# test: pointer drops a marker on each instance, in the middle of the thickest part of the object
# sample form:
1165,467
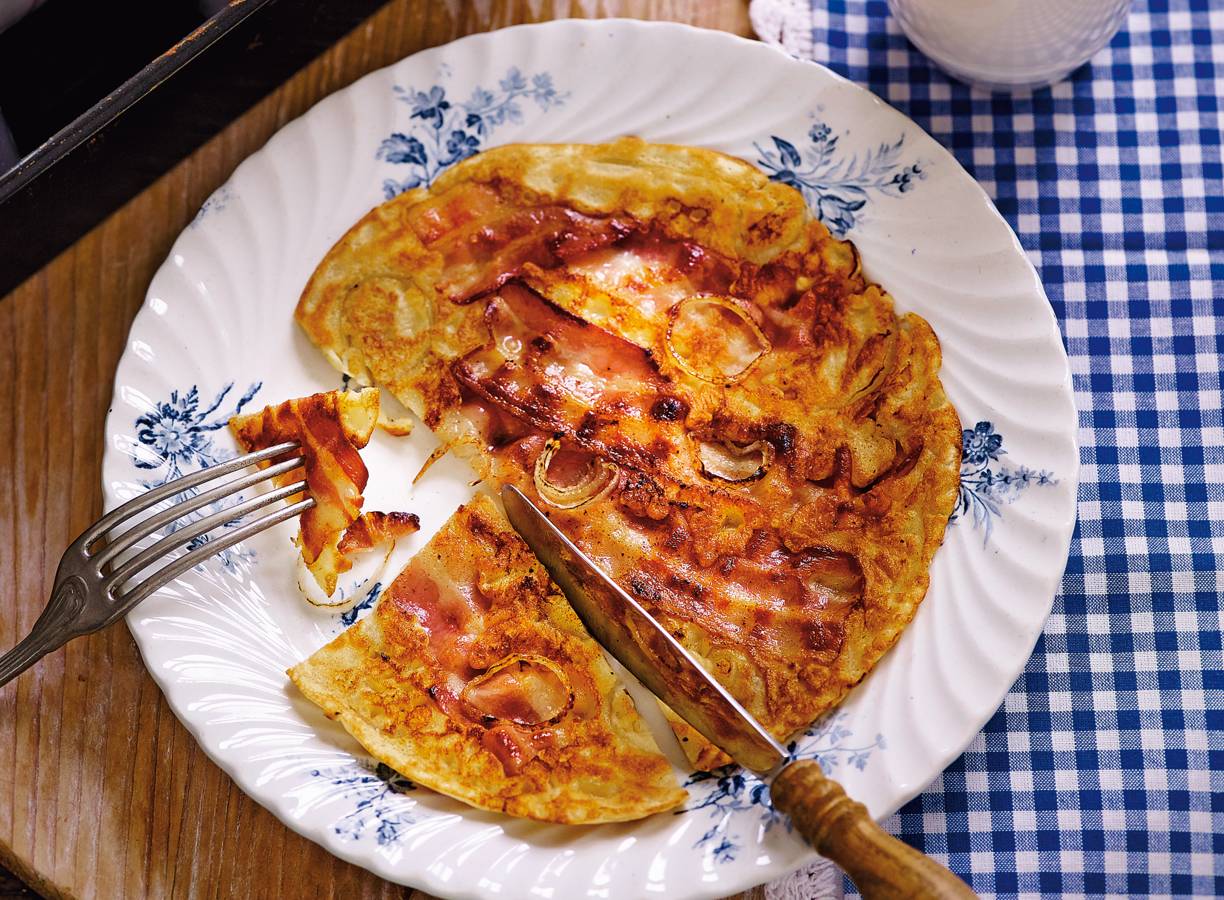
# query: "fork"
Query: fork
94,586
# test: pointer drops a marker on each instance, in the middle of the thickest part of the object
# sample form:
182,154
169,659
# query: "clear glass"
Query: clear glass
1009,44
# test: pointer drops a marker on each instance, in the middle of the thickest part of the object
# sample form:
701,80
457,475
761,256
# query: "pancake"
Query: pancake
473,676
669,352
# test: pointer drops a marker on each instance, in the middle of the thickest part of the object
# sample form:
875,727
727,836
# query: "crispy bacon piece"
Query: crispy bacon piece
561,374
485,241
331,428
374,528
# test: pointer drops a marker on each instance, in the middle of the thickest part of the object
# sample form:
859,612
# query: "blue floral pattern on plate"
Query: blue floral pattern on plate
731,790
838,185
984,487
443,132
376,791
214,204
178,432
353,613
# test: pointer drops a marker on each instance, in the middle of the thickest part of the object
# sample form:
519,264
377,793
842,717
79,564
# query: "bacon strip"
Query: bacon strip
374,528
486,241
331,428
563,375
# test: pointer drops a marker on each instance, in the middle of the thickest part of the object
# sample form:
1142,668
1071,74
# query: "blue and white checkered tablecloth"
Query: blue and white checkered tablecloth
1103,772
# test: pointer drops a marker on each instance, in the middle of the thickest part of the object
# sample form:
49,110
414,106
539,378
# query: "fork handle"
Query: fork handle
52,630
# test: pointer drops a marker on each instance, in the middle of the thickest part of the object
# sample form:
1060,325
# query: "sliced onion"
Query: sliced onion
309,587
596,482
730,461
833,570
524,690
713,339
438,453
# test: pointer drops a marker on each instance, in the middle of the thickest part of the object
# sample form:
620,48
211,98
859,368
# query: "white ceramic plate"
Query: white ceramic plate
216,335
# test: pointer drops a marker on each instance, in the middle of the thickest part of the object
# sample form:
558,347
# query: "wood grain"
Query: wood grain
102,792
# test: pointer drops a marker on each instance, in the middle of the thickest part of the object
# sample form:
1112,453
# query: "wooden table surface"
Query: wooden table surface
102,792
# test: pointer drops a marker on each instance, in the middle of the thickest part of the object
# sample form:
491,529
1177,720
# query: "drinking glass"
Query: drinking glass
1008,44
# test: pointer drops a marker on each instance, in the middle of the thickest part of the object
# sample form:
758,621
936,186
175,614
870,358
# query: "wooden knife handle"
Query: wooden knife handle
839,828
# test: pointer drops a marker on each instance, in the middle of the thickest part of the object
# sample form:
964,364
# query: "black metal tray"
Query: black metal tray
155,118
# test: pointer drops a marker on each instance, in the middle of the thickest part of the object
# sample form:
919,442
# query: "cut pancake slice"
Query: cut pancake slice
474,677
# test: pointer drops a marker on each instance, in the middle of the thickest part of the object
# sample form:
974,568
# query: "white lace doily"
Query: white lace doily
784,23
819,881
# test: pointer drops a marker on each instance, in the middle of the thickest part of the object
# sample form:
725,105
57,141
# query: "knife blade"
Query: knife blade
836,826
623,626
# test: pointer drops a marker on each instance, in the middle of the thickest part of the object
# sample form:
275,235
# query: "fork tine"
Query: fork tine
190,532
147,526
177,486
163,576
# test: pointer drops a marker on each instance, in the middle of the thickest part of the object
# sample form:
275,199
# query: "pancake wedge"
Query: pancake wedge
473,676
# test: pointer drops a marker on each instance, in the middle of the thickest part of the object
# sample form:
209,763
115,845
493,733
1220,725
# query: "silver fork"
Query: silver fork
94,587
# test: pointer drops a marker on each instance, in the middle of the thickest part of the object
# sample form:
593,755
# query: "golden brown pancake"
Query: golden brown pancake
665,349
473,676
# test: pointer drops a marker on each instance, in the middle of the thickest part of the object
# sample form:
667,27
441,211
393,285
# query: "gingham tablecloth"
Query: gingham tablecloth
1103,771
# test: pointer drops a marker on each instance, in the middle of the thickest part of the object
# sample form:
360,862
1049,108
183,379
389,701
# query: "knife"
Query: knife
836,826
